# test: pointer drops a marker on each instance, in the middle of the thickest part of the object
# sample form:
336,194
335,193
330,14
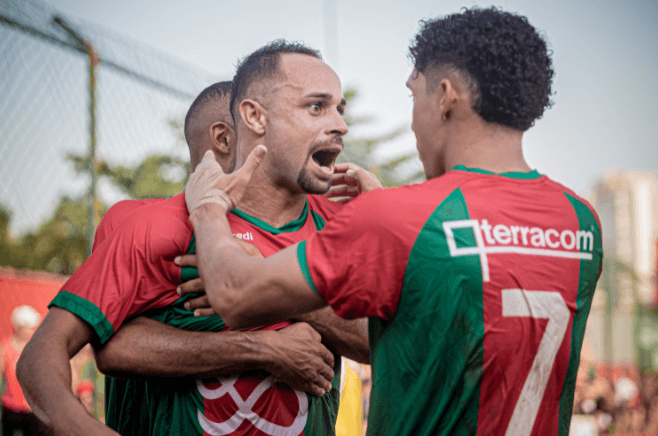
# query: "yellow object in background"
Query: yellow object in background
350,410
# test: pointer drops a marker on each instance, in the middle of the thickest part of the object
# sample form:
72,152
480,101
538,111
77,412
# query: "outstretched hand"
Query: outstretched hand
209,184
350,180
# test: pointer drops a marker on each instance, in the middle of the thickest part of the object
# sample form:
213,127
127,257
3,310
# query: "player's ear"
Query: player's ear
447,97
222,137
253,115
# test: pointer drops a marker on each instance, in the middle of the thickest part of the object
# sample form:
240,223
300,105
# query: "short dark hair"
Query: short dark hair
211,95
262,64
502,55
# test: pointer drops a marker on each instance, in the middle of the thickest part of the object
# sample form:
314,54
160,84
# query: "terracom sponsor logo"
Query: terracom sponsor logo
499,238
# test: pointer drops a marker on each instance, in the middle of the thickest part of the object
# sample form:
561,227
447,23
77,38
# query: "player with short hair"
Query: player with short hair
478,282
134,268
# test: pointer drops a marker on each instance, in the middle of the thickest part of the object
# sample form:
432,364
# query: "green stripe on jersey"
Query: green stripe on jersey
435,343
589,274
512,174
86,310
292,226
318,221
303,264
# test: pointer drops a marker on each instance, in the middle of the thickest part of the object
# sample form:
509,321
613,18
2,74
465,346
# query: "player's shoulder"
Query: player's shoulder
163,214
571,194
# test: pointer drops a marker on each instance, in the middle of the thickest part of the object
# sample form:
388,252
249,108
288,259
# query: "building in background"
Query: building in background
622,328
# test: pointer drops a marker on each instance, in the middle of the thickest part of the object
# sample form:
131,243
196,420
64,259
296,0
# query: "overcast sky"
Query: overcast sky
605,57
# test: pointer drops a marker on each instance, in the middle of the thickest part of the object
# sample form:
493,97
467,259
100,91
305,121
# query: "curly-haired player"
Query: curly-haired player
504,60
477,282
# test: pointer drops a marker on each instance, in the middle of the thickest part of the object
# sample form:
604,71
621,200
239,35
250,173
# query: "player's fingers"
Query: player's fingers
367,180
235,184
342,191
327,374
343,167
197,303
193,286
203,312
186,260
343,179
328,358
314,390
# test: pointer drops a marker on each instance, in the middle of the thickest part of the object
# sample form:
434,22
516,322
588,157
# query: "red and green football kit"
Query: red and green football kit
132,272
478,287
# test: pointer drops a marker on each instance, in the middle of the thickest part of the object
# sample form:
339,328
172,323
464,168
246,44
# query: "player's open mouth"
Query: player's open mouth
325,159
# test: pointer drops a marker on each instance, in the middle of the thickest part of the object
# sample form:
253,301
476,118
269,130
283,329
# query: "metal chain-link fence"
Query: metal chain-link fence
45,109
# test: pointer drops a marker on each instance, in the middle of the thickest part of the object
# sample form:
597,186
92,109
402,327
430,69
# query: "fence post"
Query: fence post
94,60
93,201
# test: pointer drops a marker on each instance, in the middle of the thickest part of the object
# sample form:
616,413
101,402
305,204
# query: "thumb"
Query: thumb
240,178
253,160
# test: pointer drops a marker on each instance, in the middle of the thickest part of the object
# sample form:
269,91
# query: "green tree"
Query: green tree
59,245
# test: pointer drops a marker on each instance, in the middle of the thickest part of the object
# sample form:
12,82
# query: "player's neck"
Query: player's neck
272,204
488,147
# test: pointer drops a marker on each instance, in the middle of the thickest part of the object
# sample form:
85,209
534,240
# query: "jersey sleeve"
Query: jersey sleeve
357,262
130,271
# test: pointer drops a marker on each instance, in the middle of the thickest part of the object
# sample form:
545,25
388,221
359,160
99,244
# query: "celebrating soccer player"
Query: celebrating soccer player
477,282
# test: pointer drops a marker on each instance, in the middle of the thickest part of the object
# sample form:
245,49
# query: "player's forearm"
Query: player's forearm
348,338
146,348
44,373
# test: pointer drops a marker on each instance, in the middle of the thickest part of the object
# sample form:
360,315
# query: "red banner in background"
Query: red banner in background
19,287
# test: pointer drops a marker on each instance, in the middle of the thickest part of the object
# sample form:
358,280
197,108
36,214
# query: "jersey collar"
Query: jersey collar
513,175
292,226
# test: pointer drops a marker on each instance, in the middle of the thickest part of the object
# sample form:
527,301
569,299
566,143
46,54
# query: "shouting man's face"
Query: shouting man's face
305,124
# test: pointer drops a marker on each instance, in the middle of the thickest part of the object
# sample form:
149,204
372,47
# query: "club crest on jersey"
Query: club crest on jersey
500,238
246,236
235,405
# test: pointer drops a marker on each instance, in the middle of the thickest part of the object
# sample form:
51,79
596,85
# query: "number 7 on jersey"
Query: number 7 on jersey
536,304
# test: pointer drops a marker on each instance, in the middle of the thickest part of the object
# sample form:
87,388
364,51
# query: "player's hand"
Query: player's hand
209,184
301,361
350,180
201,305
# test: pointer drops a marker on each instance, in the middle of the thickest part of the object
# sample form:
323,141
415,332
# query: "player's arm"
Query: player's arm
146,348
44,373
348,338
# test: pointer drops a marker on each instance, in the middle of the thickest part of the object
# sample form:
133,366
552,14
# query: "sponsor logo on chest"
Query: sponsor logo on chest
501,238
246,236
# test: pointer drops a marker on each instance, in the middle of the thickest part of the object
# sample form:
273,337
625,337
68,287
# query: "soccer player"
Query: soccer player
477,282
145,347
132,270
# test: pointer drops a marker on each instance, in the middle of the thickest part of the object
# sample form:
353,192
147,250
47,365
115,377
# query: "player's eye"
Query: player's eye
316,107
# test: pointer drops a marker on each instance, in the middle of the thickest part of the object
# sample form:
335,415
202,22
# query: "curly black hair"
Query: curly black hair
262,64
501,52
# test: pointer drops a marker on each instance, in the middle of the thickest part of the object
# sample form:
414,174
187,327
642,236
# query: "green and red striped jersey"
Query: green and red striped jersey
478,287
131,272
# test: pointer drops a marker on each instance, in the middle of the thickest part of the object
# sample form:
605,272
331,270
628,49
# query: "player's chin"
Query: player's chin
315,185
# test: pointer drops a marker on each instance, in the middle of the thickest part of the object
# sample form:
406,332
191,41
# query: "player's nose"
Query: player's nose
337,125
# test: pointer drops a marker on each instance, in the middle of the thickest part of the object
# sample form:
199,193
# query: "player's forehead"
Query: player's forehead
305,75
